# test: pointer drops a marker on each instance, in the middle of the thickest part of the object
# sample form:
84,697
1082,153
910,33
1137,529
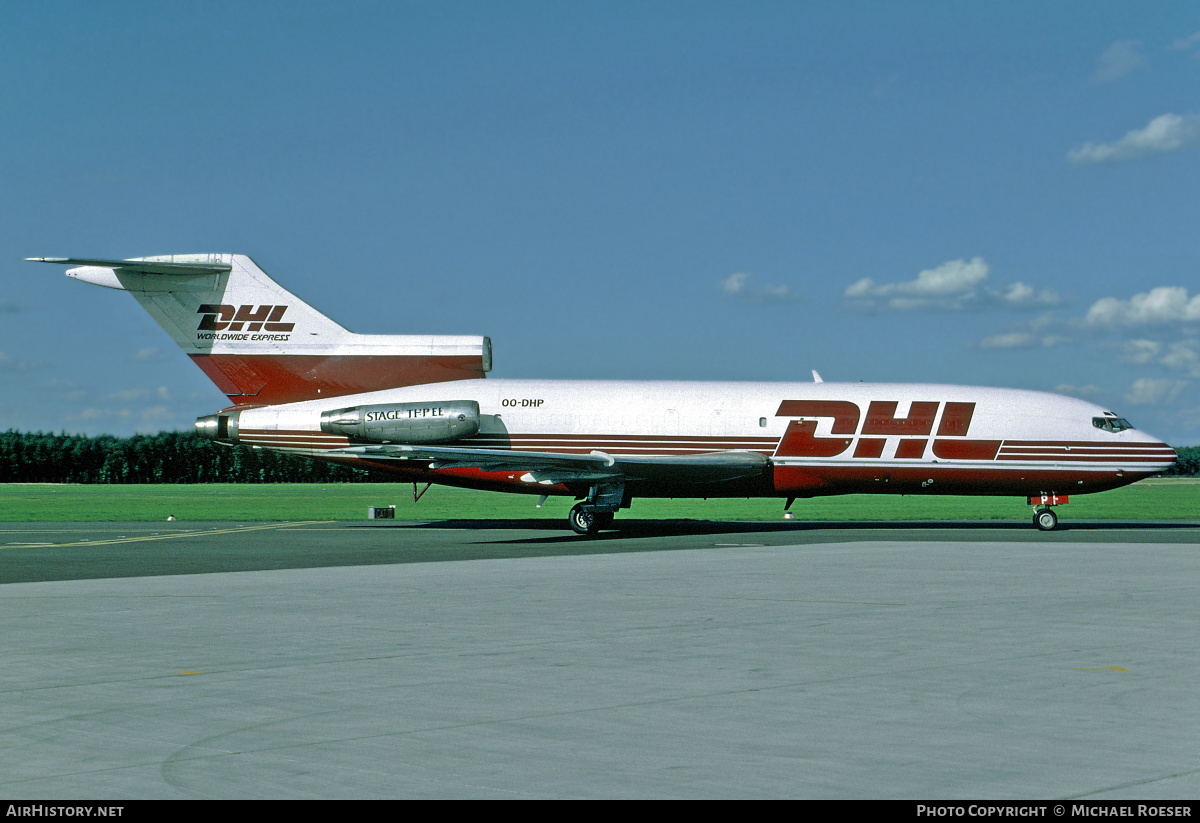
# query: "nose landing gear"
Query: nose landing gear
1046,520
1044,517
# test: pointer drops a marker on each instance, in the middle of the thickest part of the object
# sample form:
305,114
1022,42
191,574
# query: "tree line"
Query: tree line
185,457
166,457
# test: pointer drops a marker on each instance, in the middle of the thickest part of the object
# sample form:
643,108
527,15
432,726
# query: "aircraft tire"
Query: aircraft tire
583,520
1046,520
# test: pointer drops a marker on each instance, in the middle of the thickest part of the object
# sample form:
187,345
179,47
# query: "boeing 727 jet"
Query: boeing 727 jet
420,409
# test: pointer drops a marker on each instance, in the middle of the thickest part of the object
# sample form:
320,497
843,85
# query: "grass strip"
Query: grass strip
1161,499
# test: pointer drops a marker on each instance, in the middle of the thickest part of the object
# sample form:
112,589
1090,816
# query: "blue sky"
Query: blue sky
988,194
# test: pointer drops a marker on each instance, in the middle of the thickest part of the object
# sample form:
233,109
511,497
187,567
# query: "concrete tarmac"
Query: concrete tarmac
331,660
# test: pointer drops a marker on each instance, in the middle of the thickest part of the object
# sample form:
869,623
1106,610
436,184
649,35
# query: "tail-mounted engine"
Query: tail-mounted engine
405,422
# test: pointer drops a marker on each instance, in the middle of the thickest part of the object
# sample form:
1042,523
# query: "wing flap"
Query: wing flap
711,467
555,467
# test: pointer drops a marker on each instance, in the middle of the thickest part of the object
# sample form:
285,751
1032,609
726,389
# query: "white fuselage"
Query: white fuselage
822,438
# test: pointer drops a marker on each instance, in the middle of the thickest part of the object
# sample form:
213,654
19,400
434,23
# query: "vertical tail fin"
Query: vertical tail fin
260,344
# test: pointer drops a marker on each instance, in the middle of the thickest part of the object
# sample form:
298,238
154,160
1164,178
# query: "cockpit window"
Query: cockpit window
1111,424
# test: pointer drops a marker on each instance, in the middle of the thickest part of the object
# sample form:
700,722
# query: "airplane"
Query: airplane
418,407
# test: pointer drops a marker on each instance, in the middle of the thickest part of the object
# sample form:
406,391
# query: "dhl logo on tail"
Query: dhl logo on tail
234,318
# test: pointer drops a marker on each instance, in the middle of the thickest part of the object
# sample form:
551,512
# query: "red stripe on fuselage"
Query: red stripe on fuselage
1078,466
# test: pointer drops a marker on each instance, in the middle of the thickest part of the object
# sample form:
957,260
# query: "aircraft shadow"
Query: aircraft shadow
645,529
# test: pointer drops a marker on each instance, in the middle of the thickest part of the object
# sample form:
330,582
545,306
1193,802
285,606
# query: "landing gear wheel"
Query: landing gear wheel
1046,520
583,520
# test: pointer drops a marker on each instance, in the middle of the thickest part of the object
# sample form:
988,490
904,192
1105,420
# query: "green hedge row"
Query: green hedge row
167,457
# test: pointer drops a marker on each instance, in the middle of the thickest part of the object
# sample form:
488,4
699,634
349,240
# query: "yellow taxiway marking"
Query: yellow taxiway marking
190,533
1105,669
185,671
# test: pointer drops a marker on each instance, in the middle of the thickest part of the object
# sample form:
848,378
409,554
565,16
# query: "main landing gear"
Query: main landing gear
586,520
599,509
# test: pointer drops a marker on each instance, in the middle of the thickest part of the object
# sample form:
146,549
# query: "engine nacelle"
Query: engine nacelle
222,428
436,422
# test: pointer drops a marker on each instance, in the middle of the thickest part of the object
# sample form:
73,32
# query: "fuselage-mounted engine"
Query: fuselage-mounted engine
436,422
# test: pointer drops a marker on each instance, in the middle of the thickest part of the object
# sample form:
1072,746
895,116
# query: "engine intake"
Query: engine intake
436,422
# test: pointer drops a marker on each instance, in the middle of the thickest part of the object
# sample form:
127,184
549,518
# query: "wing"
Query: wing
551,468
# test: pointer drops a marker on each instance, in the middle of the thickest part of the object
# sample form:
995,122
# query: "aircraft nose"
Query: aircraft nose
1174,456
1161,455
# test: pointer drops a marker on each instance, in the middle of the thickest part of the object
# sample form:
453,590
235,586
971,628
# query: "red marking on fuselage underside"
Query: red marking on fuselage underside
869,447
911,449
802,482
942,480
264,379
882,477
792,481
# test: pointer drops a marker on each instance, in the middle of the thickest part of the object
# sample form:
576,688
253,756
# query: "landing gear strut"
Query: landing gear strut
599,509
1044,517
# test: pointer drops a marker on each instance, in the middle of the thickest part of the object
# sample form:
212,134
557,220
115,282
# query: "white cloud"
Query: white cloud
1119,59
1165,133
151,353
1090,390
1164,304
734,283
1019,294
1186,43
1021,340
739,284
130,394
162,392
1012,340
1140,352
779,292
954,285
947,286
155,413
1149,391
1182,356
1190,417
10,363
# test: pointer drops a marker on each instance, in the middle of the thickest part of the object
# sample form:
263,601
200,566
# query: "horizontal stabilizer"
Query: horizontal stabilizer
147,266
